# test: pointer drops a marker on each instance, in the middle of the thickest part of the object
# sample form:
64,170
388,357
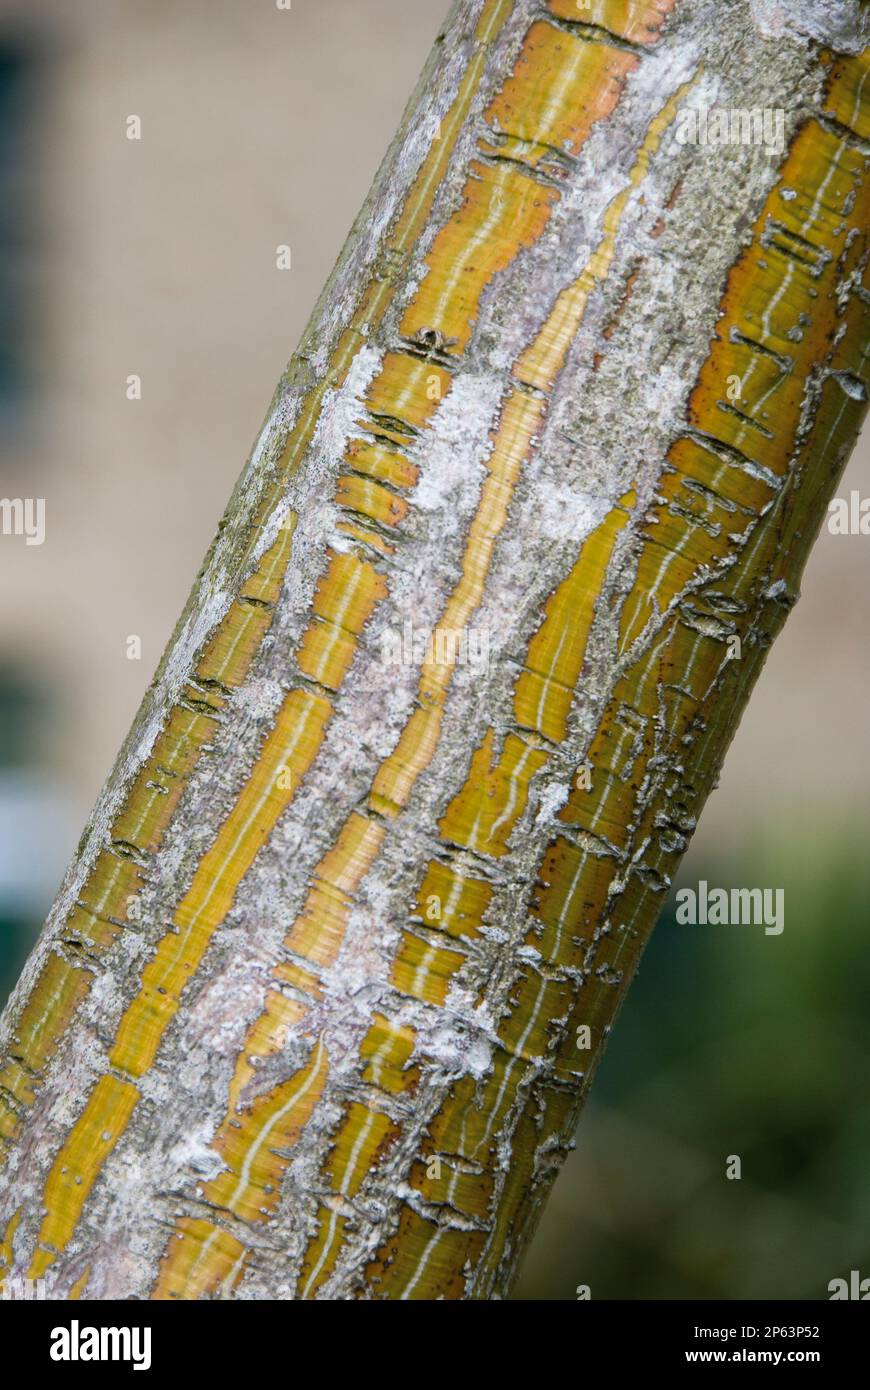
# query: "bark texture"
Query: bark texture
325,986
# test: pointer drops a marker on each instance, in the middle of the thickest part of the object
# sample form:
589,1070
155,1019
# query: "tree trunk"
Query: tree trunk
326,983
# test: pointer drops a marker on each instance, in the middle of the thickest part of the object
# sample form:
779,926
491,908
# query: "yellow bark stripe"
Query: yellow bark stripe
203,1257
443,1184
502,211
77,1289
544,692
448,902
345,600
419,202
462,1137
6,1252
368,499
358,1147
288,750
361,1138
551,1113
409,223
207,1261
520,420
318,931
405,393
475,1121
847,92
560,87
79,1163
240,1135
750,391
365,536
251,1183
324,1249
375,461
227,657
484,813
387,1048
425,969
452,900
241,1131
570,893
418,1245
705,507
55,997
541,362
401,401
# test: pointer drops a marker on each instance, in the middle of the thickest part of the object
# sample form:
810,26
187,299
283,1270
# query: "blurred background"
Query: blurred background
156,258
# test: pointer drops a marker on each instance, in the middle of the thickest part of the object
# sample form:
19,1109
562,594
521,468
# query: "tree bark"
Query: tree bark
326,983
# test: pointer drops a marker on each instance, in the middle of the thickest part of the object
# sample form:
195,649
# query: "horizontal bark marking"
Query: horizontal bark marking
637,21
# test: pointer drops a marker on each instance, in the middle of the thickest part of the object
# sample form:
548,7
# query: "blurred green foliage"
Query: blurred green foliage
17,936
730,1042
25,711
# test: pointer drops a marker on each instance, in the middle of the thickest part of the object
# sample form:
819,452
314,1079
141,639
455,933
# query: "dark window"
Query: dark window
16,73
